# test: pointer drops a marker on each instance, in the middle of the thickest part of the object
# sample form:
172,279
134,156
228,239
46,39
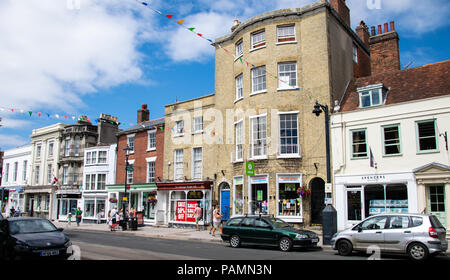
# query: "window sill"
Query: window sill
291,88
237,100
356,158
427,152
259,158
198,132
151,150
237,58
286,43
294,156
258,48
258,92
238,161
393,155
178,135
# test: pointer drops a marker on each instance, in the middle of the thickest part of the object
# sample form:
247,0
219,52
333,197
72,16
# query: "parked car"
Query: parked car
23,238
417,235
269,231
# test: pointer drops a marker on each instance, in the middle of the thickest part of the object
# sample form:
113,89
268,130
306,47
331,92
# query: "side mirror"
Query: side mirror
359,228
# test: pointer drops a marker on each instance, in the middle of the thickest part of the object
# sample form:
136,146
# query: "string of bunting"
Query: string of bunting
180,22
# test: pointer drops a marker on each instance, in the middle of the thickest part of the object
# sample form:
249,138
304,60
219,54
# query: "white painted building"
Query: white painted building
99,170
16,176
389,149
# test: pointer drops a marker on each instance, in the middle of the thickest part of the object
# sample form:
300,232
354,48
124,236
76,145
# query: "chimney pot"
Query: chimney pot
392,26
373,31
386,28
380,31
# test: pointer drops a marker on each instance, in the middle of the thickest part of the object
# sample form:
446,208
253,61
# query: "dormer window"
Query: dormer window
373,95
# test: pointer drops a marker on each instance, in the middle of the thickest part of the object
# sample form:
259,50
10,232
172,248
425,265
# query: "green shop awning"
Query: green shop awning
133,187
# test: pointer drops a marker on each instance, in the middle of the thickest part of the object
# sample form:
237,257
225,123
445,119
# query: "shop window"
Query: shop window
289,200
100,208
354,206
396,198
64,204
259,199
89,206
374,199
150,200
239,200
195,195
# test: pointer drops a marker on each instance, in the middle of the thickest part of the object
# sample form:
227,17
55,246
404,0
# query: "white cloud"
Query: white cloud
51,55
14,123
8,141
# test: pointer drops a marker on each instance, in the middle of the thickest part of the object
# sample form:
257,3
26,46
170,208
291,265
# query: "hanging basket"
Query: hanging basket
304,191
113,200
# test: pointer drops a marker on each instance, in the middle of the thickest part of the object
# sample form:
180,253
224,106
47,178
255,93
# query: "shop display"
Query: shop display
388,206
290,200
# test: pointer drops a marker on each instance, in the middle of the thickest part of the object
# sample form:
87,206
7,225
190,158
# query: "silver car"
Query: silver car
416,235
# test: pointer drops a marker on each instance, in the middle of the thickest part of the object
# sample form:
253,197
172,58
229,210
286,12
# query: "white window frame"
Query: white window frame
37,170
129,137
49,173
6,172
98,181
436,137
371,91
151,140
38,150
149,161
197,127
285,84
239,80
24,172
288,37
15,170
65,175
77,143
239,146
264,140
179,128
67,147
105,158
352,155
51,146
258,39
177,175
256,76
288,155
195,162
239,49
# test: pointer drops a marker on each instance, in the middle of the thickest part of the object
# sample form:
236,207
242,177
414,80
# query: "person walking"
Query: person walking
198,215
78,216
69,218
217,218
113,217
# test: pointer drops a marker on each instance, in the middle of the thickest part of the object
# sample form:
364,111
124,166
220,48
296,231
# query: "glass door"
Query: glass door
436,203
354,204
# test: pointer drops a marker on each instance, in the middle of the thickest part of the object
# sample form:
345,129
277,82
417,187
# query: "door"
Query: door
225,204
247,230
317,200
259,199
264,233
436,203
372,233
397,234
354,205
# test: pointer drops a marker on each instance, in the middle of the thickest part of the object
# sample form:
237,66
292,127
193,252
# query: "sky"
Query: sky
86,57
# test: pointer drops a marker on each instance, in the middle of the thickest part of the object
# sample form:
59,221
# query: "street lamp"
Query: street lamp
318,109
127,149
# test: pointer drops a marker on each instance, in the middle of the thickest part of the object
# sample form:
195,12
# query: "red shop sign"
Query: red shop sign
185,211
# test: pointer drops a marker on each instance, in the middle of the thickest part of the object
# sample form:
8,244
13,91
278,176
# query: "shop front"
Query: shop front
15,199
289,199
68,200
361,196
258,193
140,197
180,200
39,202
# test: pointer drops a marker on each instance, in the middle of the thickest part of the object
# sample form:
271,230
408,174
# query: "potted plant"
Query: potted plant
304,191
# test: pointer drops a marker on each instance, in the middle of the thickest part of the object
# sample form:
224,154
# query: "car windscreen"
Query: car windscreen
435,222
278,223
30,226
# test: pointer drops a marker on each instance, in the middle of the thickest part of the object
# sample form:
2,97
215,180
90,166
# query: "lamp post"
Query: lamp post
318,109
127,149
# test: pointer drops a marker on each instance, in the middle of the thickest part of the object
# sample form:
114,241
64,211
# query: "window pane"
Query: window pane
374,223
391,140
374,200
259,78
288,134
359,143
354,205
397,198
427,136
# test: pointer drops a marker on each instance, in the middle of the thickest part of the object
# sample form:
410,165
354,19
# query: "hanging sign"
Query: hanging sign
250,168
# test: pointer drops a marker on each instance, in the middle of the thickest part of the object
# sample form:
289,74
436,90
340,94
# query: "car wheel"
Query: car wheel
235,241
417,252
285,244
344,247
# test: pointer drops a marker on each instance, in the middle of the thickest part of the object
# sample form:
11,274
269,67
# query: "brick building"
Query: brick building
146,141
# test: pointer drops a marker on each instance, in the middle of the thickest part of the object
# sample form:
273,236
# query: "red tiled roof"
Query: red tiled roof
412,84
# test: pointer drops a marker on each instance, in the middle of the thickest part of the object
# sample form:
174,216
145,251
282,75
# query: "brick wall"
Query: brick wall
384,50
139,156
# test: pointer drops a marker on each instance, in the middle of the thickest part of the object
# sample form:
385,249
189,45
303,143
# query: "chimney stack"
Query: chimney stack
235,25
384,49
143,114
107,128
363,33
342,10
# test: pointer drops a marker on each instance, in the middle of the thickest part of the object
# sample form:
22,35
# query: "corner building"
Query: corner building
295,57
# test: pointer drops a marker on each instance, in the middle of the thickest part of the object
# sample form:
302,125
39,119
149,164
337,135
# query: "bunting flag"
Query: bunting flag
169,16
29,112
180,21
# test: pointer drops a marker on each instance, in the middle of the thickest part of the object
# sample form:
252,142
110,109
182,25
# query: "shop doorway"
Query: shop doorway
436,203
225,201
317,186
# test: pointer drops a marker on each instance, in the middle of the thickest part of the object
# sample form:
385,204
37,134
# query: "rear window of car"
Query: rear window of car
435,222
234,222
416,221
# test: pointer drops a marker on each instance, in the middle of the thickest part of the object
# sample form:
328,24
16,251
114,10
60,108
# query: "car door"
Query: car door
246,230
264,233
397,233
371,233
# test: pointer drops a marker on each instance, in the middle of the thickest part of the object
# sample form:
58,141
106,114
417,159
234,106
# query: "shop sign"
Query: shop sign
289,179
373,178
250,168
185,211
259,180
238,181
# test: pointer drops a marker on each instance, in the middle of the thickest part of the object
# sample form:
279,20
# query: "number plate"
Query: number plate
49,253
315,240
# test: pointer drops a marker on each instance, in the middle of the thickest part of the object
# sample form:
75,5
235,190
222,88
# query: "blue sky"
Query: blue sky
111,56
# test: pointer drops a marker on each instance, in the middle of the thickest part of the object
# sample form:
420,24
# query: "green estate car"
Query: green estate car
257,230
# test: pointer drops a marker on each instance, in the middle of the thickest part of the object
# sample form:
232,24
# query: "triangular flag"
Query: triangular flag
191,28
57,116
210,40
39,114
48,115
73,118
65,117
143,3
240,58
180,21
199,34
29,112
169,16
12,110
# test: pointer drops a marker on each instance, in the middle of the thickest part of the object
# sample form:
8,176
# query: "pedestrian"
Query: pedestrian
12,212
217,218
78,216
69,218
197,215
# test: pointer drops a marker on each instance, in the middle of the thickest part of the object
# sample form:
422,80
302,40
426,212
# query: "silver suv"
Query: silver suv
416,235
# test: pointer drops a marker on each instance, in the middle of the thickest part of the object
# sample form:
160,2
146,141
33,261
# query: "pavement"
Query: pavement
158,232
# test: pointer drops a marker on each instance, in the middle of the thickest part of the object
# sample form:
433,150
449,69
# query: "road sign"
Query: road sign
250,168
